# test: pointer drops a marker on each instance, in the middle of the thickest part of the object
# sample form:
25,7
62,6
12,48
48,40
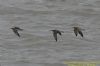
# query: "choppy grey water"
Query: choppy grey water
37,47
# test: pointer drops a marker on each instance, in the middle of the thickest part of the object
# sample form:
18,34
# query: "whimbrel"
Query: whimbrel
16,29
78,30
55,32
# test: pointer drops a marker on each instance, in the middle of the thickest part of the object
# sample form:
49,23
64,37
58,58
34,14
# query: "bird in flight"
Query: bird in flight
16,29
55,32
77,31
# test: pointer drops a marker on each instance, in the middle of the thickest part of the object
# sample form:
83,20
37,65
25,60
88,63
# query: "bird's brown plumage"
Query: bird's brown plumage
55,32
77,31
15,30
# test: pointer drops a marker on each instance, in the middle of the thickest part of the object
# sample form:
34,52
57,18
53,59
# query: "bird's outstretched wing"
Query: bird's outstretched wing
55,36
59,32
80,32
16,32
17,28
76,32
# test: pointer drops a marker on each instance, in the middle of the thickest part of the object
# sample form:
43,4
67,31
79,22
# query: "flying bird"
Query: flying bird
55,32
77,31
16,29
